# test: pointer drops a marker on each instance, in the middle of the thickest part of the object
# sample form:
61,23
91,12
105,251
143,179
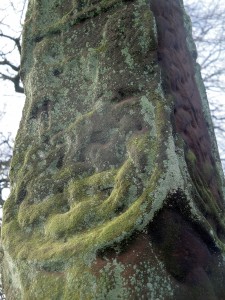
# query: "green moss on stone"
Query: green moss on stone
38,212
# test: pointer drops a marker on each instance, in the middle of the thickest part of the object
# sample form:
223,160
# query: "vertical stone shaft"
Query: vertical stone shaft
117,189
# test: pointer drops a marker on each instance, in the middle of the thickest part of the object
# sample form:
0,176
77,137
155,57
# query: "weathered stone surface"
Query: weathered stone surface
116,183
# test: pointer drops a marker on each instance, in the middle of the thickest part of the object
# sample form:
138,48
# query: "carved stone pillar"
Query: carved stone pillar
117,188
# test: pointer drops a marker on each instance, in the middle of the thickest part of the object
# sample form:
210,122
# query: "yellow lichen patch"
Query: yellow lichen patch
123,193
17,238
38,212
91,187
79,218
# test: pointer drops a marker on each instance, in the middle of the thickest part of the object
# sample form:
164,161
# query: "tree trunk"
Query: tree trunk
117,188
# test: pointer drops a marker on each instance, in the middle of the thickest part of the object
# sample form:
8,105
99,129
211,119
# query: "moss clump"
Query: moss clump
92,188
31,213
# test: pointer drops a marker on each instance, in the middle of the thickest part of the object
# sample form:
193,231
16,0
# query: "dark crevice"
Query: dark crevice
21,195
57,72
182,243
60,161
39,109
38,39
124,93
139,126
106,190
120,209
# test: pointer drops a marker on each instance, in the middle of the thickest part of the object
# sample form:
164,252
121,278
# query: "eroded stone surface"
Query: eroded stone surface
103,163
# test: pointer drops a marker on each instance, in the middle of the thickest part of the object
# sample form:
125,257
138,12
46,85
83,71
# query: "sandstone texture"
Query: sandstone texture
117,188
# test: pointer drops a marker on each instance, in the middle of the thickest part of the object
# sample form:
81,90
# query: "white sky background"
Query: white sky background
12,105
11,102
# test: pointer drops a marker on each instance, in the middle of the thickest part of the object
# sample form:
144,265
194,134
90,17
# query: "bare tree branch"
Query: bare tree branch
5,62
15,80
15,40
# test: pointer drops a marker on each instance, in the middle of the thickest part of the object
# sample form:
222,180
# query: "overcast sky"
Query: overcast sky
10,102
